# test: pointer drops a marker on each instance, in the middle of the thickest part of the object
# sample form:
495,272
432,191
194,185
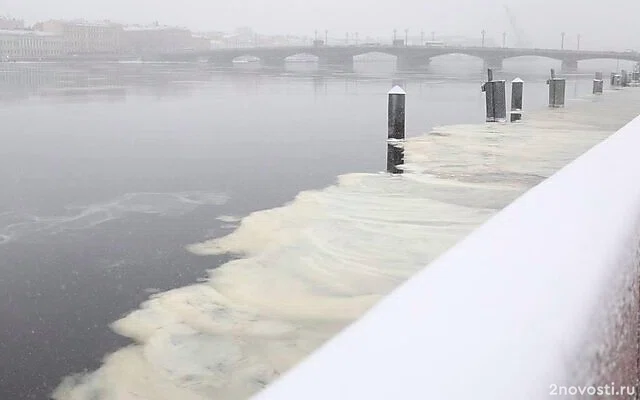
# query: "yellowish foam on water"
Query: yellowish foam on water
314,265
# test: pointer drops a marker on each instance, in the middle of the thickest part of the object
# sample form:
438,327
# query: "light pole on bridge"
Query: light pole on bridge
578,41
504,39
562,42
406,37
483,35
395,35
421,38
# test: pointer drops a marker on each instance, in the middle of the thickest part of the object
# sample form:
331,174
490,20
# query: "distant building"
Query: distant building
82,37
11,24
156,39
29,45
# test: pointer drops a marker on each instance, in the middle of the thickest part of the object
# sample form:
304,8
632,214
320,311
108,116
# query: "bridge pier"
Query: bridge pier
493,63
569,65
272,62
405,63
342,61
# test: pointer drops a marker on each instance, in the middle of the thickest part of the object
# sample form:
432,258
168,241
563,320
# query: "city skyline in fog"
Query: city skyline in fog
540,22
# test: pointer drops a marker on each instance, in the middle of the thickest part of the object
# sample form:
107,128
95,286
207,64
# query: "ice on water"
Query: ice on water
312,266
14,226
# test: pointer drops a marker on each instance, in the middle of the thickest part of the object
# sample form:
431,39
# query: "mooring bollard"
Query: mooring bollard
397,99
624,78
556,90
618,80
598,84
496,99
395,157
517,88
396,119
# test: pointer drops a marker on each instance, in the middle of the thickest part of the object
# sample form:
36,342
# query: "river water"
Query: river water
108,172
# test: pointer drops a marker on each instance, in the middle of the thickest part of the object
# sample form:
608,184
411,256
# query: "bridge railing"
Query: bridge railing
541,299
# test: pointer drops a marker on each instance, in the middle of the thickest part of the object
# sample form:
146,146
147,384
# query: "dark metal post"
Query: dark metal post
598,83
395,157
624,78
556,90
396,115
495,95
616,80
635,75
517,88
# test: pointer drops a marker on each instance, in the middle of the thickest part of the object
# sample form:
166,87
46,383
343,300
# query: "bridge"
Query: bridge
408,57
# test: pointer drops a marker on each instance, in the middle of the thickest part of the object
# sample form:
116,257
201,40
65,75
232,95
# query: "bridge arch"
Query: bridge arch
446,59
244,58
360,54
531,63
528,58
374,55
456,55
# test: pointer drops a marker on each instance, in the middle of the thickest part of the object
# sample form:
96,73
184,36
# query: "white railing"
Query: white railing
540,300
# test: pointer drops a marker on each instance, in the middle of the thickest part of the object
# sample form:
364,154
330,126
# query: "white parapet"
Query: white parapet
540,298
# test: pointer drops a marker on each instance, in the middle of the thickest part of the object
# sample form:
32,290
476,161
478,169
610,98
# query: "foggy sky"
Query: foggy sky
614,25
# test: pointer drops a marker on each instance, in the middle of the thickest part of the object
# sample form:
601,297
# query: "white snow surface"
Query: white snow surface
397,90
506,311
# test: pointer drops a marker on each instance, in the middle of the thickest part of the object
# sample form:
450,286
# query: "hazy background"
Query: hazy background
601,24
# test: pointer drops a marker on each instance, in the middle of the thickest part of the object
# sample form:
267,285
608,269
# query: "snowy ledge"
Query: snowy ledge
545,293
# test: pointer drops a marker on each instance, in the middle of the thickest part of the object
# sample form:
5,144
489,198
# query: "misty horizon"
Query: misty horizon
598,27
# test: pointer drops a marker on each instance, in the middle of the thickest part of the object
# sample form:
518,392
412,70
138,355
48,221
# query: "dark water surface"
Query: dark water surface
108,171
